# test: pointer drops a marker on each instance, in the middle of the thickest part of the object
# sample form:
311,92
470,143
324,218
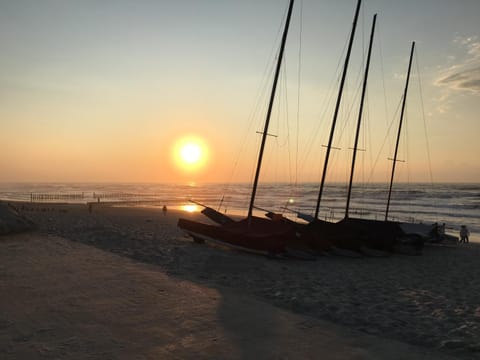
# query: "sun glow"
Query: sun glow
190,153
190,208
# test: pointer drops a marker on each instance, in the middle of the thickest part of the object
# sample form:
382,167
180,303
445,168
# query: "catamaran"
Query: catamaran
253,233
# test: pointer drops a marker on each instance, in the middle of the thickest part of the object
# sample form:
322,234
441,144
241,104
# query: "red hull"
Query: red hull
263,235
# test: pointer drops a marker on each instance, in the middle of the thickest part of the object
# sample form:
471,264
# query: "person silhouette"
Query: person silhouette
464,234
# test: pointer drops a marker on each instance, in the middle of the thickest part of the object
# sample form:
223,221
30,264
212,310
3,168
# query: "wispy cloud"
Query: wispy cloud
464,75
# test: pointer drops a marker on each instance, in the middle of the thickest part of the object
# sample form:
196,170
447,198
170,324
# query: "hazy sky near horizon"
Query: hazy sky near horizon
103,90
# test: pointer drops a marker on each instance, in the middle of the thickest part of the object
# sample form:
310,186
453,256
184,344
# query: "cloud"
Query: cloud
466,79
464,75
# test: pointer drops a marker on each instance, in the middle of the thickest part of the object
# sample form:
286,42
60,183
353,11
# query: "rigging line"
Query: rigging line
367,133
385,138
287,124
299,79
424,118
283,100
366,120
406,141
285,96
288,137
359,76
337,109
278,104
392,177
335,79
361,83
363,36
348,114
314,135
262,89
343,132
252,116
269,111
379,32
294,177
367,138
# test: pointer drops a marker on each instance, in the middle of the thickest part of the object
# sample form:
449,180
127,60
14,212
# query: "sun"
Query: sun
190,153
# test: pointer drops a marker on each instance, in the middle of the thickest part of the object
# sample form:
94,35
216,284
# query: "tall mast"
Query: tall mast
399,129
337,107
364,88
270,105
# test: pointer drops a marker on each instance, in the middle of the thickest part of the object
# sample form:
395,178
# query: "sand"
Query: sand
11,221
65,275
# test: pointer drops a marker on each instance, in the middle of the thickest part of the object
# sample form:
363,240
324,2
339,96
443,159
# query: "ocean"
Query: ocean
452,204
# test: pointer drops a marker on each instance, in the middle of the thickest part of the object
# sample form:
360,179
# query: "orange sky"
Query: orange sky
102,92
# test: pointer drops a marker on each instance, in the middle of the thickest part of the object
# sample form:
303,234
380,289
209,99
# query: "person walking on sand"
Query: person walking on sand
464,234
164,210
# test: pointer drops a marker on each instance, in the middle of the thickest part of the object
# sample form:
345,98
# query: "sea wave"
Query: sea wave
450,203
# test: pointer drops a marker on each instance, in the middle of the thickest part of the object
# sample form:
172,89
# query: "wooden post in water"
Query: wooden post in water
269,111
399,129
337,107
357,133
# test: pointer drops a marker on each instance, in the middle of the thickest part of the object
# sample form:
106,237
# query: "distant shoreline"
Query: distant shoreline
232,183
156,205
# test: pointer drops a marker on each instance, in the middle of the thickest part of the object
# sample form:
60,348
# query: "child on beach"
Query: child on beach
464,234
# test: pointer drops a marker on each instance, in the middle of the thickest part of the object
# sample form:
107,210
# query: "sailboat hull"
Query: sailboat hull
353,234
257,235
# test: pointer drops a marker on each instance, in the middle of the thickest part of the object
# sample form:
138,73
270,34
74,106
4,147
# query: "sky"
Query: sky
104,91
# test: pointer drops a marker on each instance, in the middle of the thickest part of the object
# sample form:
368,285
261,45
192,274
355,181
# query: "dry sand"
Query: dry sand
68,300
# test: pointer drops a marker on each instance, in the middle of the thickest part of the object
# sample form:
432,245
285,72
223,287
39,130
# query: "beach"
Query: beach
90,276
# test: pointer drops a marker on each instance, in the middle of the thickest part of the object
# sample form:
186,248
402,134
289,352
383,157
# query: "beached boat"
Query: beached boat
252,233
353,234
256,234
348,234
364,234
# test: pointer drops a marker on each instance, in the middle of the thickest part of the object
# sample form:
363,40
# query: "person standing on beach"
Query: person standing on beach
164,210
464,234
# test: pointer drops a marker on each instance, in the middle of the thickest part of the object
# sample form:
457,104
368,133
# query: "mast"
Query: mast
399,129
364,88
337,107
269,111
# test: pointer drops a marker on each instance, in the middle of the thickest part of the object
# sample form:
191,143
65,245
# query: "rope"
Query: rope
379,37
294,177
260,96
325,106
424,118
385,138
299,77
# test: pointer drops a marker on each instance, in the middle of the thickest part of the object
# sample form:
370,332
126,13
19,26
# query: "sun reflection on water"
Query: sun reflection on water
190,208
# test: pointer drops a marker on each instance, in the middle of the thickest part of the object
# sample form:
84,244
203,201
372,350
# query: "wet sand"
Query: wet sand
428,303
